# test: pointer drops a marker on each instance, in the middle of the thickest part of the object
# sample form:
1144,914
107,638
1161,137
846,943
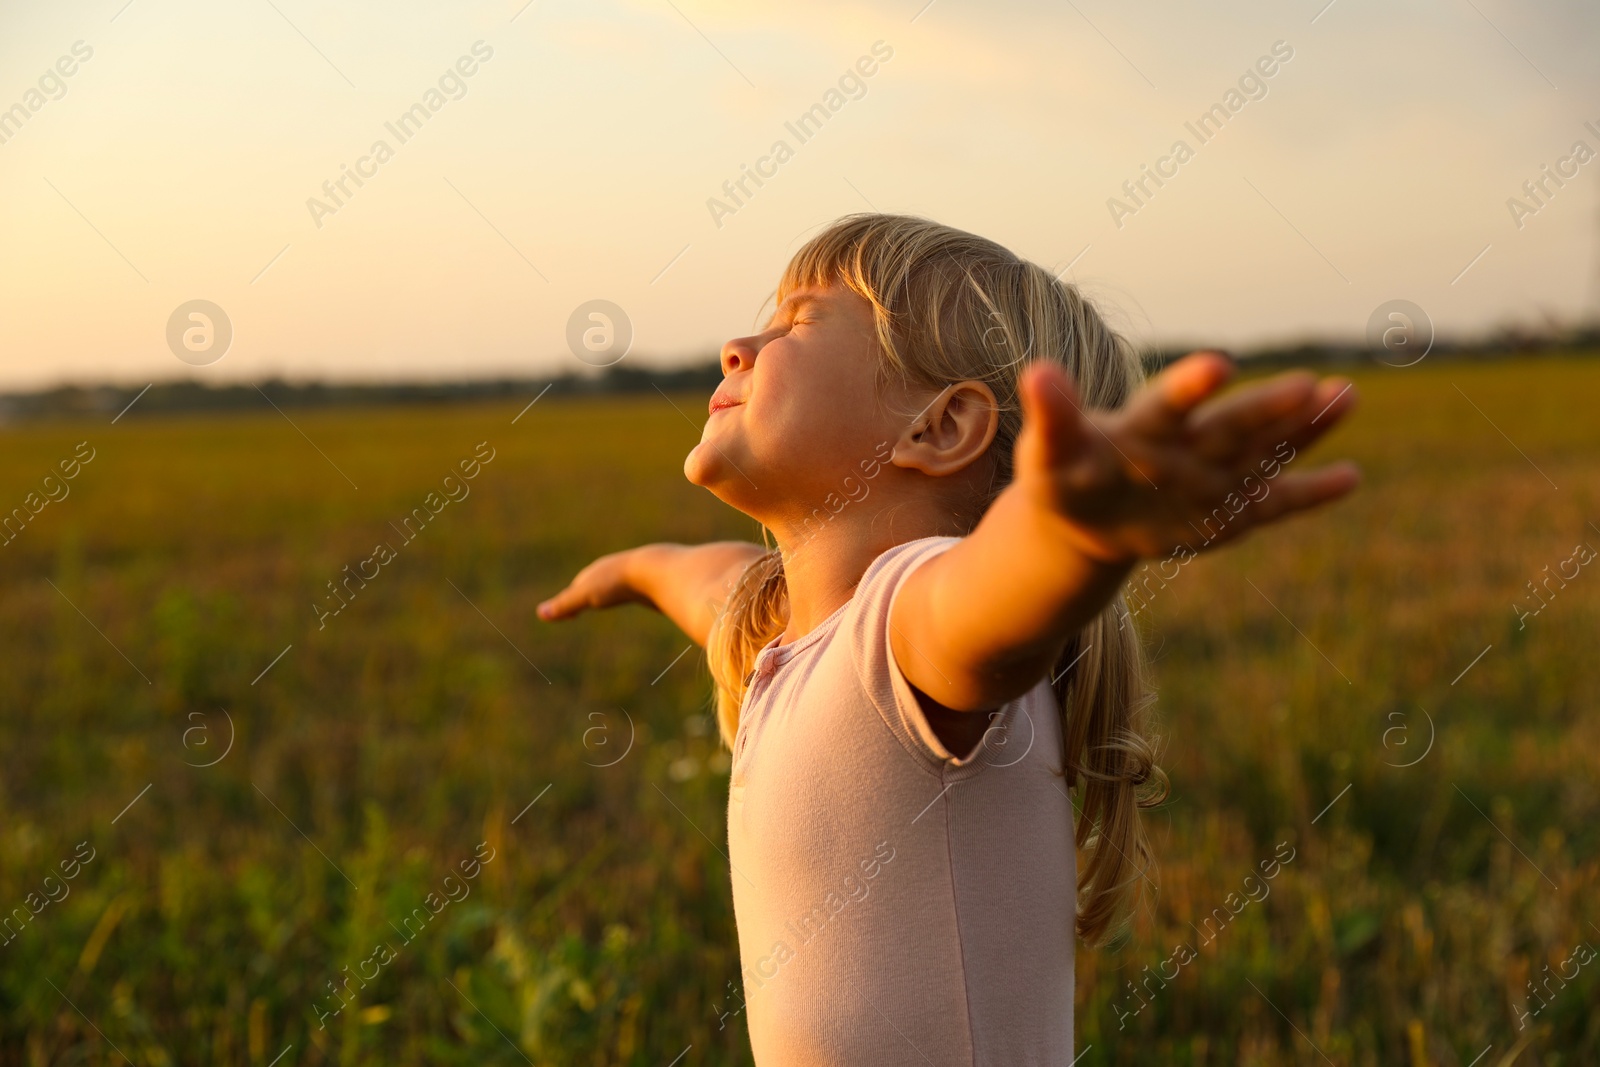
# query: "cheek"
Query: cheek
816,394
805,422
783,399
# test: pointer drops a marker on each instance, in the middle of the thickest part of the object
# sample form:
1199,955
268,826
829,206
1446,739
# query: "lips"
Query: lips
719,402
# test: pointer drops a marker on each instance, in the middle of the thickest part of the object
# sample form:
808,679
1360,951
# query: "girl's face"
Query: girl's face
797,411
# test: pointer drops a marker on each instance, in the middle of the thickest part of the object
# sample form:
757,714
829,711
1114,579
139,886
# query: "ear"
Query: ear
952,432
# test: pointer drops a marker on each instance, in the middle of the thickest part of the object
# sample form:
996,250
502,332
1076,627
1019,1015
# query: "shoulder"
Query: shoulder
866,619
886,572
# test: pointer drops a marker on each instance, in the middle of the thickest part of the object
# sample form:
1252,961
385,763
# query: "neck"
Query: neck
823,565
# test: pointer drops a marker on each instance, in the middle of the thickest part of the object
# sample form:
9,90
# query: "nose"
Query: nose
740,354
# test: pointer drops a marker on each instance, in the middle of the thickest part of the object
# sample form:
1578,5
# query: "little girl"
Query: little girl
934,701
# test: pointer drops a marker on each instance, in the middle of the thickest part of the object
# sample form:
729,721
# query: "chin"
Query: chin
700,466
705,468
710,470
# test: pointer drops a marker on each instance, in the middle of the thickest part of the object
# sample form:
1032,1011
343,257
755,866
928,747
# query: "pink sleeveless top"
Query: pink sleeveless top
896,904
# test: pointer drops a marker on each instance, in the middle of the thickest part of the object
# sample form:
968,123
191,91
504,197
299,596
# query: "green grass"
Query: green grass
381,750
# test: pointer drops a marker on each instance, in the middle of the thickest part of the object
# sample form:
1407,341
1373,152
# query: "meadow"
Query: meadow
426,828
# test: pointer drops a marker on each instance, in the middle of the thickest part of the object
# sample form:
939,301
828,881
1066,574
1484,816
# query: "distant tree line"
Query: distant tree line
189,395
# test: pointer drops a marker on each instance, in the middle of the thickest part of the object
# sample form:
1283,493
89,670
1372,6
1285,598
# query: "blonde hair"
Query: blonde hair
950,306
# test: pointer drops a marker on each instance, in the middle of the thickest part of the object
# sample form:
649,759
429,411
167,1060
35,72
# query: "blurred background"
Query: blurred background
272,271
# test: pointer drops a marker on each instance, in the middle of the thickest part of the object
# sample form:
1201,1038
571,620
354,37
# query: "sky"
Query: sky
584,158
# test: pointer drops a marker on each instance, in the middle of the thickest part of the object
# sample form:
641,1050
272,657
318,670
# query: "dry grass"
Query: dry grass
208,926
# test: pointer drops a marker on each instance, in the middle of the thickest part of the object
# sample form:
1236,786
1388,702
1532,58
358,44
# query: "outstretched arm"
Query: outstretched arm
686,583
1095,492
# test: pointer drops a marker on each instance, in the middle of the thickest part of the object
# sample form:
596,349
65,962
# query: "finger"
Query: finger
1224,425
1331,401
1335,398
1292,493
1163,405
564,605
1052,417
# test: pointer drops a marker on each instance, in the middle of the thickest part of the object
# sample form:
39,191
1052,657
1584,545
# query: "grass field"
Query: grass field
213,910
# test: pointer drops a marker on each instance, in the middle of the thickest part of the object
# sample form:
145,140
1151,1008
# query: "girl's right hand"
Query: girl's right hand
605,583
686,583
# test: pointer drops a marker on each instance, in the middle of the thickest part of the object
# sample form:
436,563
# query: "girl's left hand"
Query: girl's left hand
1177,460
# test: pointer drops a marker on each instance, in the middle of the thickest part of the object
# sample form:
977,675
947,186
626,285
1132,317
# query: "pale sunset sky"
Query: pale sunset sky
577,159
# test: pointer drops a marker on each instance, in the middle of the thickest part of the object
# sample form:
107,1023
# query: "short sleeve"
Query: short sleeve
868,627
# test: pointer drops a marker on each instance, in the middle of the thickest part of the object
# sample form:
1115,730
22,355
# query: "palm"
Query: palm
1177,464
